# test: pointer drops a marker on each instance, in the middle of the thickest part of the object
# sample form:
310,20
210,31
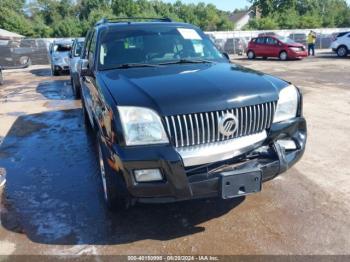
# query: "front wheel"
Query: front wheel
283,56
114,190
342,51
54,71
251,54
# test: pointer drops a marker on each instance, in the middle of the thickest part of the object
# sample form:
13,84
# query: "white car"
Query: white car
59,56
341,45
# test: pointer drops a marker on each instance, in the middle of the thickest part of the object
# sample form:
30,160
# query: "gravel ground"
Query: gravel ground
52,202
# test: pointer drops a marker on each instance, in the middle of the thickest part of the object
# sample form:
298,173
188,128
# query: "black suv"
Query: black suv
175,120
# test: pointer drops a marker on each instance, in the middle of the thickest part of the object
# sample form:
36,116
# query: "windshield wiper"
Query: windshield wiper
188,61
133,65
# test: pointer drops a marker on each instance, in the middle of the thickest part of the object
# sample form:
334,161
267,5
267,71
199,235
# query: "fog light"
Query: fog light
287,144
148,175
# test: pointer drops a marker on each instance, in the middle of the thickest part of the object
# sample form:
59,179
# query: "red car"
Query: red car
275,46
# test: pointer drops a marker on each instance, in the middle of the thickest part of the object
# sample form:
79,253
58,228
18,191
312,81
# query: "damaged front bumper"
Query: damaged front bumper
282,148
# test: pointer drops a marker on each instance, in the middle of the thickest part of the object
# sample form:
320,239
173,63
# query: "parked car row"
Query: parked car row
270,44
22,53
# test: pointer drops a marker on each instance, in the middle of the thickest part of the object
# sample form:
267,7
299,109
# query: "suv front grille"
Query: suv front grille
203,128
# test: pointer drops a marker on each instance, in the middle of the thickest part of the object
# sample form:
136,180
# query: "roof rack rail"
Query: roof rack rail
124,19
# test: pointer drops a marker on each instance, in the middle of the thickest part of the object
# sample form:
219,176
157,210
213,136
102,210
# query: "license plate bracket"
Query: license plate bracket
236,183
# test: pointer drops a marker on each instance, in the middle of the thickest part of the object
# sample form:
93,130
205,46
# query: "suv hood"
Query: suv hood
182,89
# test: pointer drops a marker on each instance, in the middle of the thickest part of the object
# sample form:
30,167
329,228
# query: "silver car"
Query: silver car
74,57
59,56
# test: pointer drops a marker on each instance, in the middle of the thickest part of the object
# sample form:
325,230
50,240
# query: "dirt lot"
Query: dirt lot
52,202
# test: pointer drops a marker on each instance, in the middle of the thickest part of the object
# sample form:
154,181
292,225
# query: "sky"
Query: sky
227,5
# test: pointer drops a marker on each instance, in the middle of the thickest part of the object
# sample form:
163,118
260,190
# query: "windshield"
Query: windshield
155,45
62,48
286,40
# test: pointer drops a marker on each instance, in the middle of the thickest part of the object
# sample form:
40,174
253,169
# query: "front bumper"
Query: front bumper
298,55
61,66
181,183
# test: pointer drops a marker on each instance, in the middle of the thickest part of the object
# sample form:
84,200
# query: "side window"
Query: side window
271,41
86,46
92,50
260,40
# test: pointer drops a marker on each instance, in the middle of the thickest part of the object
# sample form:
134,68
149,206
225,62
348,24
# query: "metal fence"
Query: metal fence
21,52
235,42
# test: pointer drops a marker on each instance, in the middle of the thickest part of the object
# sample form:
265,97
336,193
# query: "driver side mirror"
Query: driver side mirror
226,55
84,68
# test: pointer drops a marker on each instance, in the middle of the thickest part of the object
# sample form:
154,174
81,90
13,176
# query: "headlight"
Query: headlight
142,126
295,49
287,105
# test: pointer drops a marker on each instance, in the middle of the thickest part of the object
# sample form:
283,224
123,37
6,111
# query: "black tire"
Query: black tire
115,193
55,72
250,54
342,51
283,56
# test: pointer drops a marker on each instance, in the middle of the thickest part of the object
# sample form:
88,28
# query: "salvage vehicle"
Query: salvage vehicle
341,44
35,50
174,120
9,56
74,57
234,46
270,46
59,56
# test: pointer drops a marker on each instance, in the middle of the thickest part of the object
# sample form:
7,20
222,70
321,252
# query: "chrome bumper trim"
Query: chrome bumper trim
219,151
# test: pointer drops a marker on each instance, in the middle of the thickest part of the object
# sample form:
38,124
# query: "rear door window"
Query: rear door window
271,41
260,40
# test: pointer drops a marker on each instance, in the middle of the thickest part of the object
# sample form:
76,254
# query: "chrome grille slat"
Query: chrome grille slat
192,130
258,118
212,127
250,120
245,121
175,132
203,128
197,127
181,134
208,127
186,131
217,123
241,121
168,126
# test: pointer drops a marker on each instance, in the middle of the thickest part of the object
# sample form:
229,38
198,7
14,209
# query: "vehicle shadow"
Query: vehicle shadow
331,56
53,193
41,72
260,59
59,89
